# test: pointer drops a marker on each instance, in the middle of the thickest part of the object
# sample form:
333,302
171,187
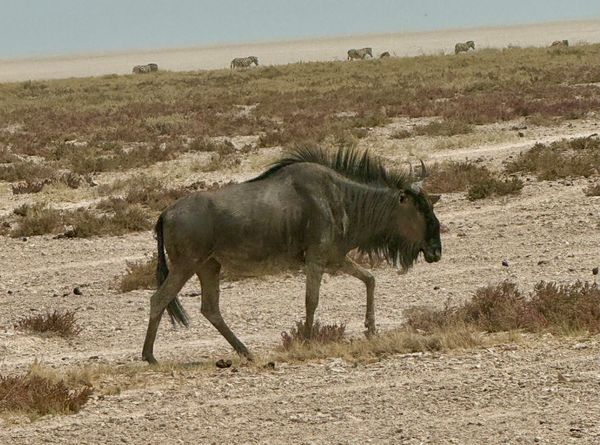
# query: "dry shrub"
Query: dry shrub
455,176
26,171
398,341
561,159
147,191
494,187
39,393
123,219
592,190
448,127
139,275
205,144
321,333
60,323
503,307
37,219
28,187
477,180
401,133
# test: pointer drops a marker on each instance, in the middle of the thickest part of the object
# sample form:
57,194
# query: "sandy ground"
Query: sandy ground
271,53
544,389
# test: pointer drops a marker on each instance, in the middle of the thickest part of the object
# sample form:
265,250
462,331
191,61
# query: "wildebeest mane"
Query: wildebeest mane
372,206
358,165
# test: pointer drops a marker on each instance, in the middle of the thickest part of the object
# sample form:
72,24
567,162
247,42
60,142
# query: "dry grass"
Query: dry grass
477,180
503,307
39,219
122,122
40,392
398,341
59,323
138,275
494,187
592,190
443,128
494,314
321,333
562,159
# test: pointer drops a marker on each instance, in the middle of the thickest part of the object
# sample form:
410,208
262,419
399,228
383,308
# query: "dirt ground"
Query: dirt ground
543,389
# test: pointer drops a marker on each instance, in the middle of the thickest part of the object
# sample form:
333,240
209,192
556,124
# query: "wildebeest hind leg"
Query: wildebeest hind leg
353,269
209,280
159,301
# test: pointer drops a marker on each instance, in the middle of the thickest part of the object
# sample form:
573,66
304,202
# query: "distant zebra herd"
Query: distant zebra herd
353,54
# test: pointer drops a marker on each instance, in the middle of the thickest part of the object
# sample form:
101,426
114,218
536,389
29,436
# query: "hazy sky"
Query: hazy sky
32,27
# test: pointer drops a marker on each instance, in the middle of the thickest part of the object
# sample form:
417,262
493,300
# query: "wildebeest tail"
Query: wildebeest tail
174,308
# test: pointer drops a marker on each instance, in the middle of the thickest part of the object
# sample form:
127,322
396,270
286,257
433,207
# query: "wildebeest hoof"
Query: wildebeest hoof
222,364
150,359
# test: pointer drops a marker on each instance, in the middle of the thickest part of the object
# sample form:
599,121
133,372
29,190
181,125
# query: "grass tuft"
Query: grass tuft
59,323
138,275
40,393
321,333
503,307
561,159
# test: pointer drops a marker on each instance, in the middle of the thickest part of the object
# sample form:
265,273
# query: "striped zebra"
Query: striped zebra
244,62
142,69
384,55
359,53
464,47
559,43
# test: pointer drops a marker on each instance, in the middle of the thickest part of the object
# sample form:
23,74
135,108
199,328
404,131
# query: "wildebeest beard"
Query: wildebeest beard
395,249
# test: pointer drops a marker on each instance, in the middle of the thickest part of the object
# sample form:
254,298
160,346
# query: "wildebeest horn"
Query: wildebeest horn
424,173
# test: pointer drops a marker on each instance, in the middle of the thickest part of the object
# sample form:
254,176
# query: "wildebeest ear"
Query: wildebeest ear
434,198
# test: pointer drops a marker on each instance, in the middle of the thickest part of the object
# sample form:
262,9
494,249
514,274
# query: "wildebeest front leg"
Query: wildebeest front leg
159,301
314,273
351,268
209,279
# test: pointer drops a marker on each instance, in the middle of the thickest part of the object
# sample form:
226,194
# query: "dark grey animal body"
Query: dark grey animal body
308,210
359,53
384,55
559,43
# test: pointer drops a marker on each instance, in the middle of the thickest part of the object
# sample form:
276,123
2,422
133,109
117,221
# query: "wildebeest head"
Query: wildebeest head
418,223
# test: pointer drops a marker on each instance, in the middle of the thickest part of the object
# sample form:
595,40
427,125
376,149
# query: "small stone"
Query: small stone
436,288
222,364
270,365
77,291
24,238
595,271
505,263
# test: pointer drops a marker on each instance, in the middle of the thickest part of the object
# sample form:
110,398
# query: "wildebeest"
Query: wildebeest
384,55
307,210
559,43
142,69
359,53
464,47
243,62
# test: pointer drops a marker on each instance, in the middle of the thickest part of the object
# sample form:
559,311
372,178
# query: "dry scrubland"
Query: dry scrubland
496,343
